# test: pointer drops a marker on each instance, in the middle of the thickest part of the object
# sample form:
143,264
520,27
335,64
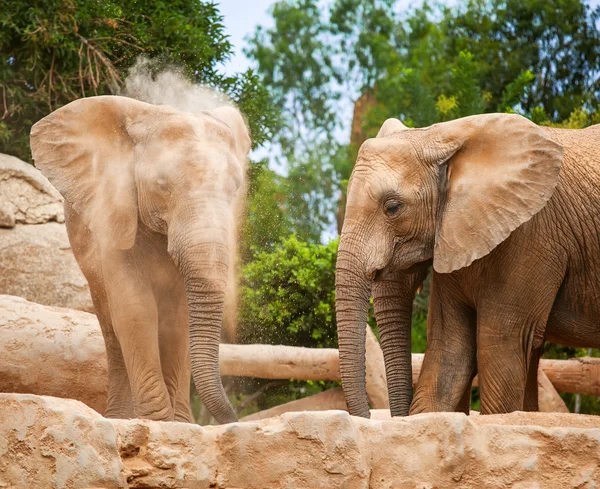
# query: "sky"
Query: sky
242,16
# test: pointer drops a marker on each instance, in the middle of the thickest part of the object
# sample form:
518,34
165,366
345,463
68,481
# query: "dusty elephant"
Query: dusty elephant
151,195
509,215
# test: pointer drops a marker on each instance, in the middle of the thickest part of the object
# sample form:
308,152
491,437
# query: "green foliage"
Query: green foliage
431,64
266,221
288,296
55,51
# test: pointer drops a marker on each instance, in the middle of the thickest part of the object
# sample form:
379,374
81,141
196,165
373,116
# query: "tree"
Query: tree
55,51
432,63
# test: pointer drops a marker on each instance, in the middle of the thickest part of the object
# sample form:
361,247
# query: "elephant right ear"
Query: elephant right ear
391,126
86,151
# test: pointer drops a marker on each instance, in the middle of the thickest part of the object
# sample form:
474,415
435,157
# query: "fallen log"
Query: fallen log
549,401
60,352
376,382
577,375
323,401
51,351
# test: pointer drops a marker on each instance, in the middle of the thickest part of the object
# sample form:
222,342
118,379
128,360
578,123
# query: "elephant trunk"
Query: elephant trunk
393,300
204,266
352,304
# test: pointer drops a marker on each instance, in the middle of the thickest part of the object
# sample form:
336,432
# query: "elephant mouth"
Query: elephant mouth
421,266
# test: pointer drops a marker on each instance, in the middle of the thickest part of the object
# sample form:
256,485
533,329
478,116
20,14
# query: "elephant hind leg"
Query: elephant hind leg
531,389
119,403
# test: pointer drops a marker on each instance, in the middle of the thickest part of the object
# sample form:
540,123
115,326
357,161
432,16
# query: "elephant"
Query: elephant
151,197
508,215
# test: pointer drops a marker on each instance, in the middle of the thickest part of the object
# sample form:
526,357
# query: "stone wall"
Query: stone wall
53,443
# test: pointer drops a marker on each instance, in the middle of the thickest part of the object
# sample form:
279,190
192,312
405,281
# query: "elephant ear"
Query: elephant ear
86,151
502,170
391,126
236,123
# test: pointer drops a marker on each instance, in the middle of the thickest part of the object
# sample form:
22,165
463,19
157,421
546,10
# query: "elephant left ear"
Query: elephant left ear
501,170
236,123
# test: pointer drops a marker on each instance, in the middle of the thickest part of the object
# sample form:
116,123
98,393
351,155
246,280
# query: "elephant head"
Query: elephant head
449,193
122,163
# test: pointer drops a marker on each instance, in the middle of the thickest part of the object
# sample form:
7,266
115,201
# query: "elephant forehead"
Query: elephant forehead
393,155
367,184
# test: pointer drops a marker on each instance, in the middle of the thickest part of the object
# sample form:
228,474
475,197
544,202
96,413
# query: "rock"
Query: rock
54,443
53,351
26,196
37,263
35,256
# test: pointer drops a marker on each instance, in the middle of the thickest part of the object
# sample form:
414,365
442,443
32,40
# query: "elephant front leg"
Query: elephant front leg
174,348
503,368
450,361
135,322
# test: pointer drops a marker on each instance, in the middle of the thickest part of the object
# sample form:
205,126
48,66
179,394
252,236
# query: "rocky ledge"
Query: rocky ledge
47,442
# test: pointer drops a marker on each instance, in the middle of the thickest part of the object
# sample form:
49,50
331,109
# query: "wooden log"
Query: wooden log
51,351
577,375
279,362
548,399
329,399
376,382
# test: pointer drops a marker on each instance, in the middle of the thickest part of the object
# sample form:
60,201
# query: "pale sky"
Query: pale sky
242,16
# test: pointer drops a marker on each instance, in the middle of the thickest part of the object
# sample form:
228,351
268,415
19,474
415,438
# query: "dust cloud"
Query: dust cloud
168,85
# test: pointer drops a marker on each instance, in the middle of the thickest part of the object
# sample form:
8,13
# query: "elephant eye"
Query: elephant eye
392,208
163,186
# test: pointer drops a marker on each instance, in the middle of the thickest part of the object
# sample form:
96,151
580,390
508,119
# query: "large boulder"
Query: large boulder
35,255
52,351
54,443
26,196
37,263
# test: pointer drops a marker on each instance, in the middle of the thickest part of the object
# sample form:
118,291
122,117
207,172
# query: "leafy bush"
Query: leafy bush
288,296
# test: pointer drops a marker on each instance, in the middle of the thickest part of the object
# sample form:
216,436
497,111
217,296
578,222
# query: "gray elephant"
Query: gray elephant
509,215
151,199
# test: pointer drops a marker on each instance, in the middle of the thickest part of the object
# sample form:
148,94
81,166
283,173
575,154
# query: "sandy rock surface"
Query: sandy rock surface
51,350
26,196
37,263
54,443
35,255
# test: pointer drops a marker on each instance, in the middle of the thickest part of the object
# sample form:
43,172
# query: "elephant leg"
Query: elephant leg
119,403
85,248
508,345
511,324
173,333
135,321
393,301
450,361
503,361
531,389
